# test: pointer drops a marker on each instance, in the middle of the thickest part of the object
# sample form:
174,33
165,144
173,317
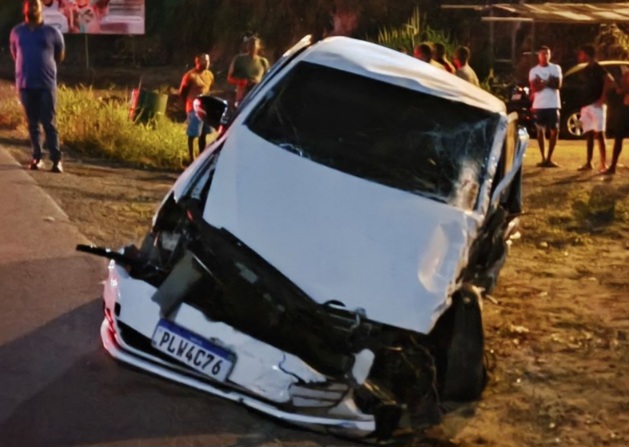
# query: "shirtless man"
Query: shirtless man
195,82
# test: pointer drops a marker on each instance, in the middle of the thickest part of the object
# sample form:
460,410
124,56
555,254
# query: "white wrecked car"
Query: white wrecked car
323,260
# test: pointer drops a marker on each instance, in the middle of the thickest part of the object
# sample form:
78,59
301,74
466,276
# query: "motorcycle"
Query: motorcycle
520,101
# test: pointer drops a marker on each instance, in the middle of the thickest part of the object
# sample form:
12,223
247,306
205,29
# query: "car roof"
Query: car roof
581,66
391,66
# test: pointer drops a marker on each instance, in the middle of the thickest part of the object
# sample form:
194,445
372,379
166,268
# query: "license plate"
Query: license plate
192,350
516,97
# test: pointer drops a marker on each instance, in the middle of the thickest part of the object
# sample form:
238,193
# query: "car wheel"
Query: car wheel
466,372
571,126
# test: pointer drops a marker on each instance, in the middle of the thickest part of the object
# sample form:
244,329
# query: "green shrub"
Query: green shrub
612,42
415,31
403,37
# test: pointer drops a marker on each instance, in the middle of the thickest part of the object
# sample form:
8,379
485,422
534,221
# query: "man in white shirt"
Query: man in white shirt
545,79
463,69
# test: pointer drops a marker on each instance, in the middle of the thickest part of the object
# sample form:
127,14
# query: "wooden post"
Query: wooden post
533,44
87,53
492,36
514,31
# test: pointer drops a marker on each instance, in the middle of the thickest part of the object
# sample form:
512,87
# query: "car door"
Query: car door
506,191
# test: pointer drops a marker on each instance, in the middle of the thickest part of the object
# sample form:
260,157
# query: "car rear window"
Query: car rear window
384,133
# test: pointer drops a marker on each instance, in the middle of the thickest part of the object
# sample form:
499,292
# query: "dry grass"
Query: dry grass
97,123
569,211
11,115
562,382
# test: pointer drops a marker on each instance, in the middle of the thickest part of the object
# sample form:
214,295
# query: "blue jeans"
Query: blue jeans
196,126
39,105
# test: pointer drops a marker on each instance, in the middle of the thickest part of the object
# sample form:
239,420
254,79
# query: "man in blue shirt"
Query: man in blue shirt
36,49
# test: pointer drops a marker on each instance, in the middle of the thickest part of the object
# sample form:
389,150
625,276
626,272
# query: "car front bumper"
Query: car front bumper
344,419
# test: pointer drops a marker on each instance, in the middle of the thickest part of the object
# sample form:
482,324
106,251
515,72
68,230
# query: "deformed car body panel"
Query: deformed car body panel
358,426
335,252
260,368
333,234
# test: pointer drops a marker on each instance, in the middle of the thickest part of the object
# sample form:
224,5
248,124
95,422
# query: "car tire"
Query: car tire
571,127
466,372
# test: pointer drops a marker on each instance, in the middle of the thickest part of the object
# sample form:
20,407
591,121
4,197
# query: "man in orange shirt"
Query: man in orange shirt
195,82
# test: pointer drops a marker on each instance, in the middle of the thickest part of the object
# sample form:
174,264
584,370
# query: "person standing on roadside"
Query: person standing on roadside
545,79
439,55
195,82
621,128
423,52
247,69
463,69
37,48
594,87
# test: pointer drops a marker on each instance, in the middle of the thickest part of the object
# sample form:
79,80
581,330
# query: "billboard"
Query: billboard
95,16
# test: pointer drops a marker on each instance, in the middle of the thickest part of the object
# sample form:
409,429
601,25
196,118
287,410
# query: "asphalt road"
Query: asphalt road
58,387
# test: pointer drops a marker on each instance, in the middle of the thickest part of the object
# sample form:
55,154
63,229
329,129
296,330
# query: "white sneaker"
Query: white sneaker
57,167
35,165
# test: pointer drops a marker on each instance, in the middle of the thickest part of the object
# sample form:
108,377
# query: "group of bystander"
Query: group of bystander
37,48
595,83
436,55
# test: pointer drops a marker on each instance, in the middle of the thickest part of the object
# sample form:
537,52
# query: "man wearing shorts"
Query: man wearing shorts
545,79
595,83
195,82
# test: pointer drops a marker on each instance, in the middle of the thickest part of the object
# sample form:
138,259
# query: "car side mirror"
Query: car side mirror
212,110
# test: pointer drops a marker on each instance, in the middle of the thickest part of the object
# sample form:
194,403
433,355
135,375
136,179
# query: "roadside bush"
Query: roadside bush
402,37
96,124
612,42
415,31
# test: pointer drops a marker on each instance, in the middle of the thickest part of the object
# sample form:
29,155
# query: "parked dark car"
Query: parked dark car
570,114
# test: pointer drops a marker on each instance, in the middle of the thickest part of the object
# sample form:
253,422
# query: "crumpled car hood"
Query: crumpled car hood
338,237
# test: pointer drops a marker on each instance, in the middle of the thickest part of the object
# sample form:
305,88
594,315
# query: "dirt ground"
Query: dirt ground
557,327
